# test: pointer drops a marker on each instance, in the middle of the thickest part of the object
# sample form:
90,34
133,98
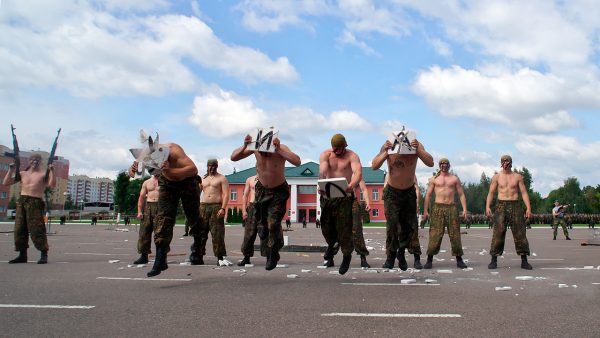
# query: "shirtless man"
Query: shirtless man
444,213
213,206
249,219
272,192
179,180
400,198
147,207
337,213
508,212
30,208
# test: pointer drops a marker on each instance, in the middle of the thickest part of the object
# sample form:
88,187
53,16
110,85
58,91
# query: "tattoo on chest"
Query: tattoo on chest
399,163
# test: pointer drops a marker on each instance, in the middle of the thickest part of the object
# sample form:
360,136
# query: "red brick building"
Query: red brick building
304,201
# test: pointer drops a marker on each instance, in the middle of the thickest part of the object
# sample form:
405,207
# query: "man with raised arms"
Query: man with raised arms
444,213
30,208
178,180
508,212
400,200
147,210
337,213
272,192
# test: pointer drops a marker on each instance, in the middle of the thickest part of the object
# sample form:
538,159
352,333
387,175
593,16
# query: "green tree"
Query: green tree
12,204
133,192
120,195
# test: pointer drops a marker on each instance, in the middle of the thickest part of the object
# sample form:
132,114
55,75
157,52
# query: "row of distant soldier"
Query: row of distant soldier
590,219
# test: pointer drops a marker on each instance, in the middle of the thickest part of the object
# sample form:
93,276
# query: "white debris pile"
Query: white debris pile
467,269
224,262
503,288
239,270
483,252
306,271
524,278
112,261
122,230
282,265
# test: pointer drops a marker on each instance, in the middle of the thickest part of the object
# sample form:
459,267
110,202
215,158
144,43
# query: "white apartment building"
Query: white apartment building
85,189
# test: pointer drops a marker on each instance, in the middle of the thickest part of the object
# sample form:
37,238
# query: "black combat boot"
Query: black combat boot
328,256
429,263
272,260
195,256
524,264
21,258
363,262
554,238
345,264
43,258
460,263
418,264
568,238
160,262
389,262
142,260
494,263
402,264
244,261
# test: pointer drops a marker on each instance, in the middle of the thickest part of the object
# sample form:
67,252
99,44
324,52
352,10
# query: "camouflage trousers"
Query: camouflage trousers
170,193
357,230
144,244
216,225
250,231
555,222
337,223
509,213
270,205
30,221
444,216
401,215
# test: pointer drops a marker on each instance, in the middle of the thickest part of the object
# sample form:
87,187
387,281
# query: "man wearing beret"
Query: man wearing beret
444,214
508,212
272,192
213,206
336,213
400,198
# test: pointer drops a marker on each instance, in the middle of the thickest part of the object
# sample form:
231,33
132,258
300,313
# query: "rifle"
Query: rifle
16,155
51,157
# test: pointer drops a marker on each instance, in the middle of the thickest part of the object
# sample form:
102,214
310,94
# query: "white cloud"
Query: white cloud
441,47
91,51
347,38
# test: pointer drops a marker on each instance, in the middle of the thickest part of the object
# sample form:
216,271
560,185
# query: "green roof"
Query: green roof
309,169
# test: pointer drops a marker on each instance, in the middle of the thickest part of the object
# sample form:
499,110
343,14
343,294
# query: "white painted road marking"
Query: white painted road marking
84,307
95,254
148,279
393,315
540,259
391,284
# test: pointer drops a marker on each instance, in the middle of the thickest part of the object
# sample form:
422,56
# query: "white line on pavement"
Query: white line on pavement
595,283
393,315
84,307
390,284
148,279
94,254
540,259
569,268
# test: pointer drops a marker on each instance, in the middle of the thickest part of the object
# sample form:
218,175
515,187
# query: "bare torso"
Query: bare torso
445,188
212,188
508,186
339,166
32,183
401,170
151,189
180,166
252,185
270,168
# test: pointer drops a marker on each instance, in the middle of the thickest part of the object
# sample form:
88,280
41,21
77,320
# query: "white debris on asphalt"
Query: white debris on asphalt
430,281
370,248
321,267
239,270
560,286
114,261
408,281
574,286
306,270
225,262
334,272
588,267
442,251
444,271
534,254
439,259
503,288
292,276
483,252
467,269
249,265
185,263
282,265
524,278
494,273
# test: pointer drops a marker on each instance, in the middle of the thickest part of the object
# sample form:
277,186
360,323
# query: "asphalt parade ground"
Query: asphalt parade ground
90,288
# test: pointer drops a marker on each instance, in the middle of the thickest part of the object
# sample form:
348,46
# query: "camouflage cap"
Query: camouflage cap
338,141
212,161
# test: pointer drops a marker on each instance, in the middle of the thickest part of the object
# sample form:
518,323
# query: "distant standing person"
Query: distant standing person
337,212
249,223
508,212
444,214
213,207
272,191
400,198
30,208
178,181
147,210
558,217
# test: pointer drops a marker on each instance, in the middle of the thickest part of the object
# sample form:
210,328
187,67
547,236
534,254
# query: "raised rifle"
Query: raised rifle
51,157
16,155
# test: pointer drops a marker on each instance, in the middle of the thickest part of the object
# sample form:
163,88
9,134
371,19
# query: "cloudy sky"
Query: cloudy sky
474,79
